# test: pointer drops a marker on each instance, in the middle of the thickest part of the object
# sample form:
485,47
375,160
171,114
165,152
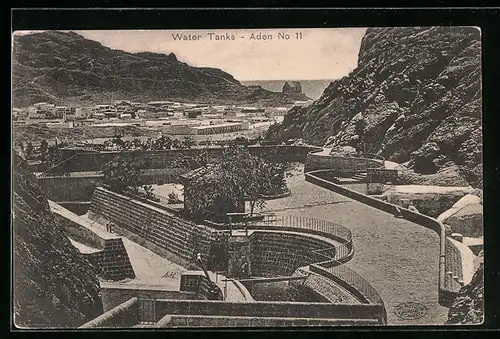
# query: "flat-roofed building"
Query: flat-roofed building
218,129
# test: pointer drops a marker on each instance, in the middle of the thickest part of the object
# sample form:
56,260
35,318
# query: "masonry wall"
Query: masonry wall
112,261
125,315
342,165
178,236
114,296
447,289
66,188
82,161
282,253
267,309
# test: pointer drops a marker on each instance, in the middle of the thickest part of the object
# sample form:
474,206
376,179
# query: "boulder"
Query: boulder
467,220
344,151
465,216
429,200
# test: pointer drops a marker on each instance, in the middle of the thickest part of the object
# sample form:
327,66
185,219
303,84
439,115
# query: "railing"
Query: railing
354,281
447,292
340,234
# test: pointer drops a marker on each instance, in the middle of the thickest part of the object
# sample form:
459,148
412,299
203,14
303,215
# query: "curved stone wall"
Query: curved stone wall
447,288
342,166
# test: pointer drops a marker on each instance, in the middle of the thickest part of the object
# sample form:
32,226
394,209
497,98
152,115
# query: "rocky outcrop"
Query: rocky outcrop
53,285
61,67
465,216
468,307
415,96
429,200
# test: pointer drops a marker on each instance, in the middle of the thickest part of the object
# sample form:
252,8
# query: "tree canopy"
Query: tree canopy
223,186
120,174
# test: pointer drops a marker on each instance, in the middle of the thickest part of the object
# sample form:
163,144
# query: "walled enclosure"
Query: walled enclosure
340,166
157,168
448,283
111,258
272,252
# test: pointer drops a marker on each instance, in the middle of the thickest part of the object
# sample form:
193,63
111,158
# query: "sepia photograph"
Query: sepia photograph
247,178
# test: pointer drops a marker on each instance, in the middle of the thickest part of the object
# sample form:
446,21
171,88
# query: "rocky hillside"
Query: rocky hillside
64,67
415,96
468,307
53,285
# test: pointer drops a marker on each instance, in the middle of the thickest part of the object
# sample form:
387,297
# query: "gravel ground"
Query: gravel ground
399,258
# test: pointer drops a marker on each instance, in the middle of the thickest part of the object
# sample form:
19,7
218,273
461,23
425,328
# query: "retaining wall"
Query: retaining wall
382,175
67,188
282,253
112,260
175,321
82,161
266,309
342,166
179,236
113,295
200,285
125,315
272,253
446,295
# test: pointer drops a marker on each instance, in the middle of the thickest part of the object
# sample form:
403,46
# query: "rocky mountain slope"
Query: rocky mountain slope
53,285
468,307
59,67
415,95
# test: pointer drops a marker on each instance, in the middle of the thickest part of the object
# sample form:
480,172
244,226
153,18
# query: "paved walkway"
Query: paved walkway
154,270
399,258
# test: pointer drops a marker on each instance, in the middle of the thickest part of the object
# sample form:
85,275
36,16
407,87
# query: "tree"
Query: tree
43,150
188,142
121,174
176,144
29,149
222,186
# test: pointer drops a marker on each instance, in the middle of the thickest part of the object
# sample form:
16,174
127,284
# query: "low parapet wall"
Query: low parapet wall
125,315
82,161
114,294
447,292
267,309
341,166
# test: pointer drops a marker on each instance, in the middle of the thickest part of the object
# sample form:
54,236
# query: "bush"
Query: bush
173,198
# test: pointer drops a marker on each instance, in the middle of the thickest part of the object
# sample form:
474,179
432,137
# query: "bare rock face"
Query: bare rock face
65,67
53,285
417,93
429,200
468,307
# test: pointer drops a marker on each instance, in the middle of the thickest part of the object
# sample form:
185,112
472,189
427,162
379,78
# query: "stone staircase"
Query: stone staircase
358,178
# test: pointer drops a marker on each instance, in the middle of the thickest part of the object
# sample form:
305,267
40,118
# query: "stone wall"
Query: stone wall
163,228
282,253
268,309
200,285
82,161
112,260
113,294
179,321
341,166
67,188
447,292
382,175
125,315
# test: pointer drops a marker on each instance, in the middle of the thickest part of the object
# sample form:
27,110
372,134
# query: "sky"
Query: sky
319,53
